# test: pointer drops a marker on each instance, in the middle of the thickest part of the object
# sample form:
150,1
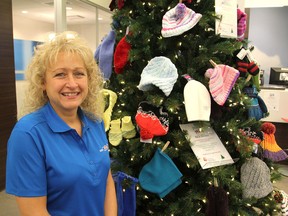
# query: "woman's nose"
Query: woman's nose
71,81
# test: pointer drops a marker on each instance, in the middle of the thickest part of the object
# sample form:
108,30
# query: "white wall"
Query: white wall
268,32
28,29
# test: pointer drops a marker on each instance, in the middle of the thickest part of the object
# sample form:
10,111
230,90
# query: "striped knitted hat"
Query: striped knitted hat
241,24
222,80
179,20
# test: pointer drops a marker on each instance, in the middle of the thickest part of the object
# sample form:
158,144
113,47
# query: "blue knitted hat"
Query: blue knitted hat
160,175
104,54
161,72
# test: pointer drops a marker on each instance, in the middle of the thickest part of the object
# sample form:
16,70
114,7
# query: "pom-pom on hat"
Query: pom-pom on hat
255,179
160,72
197,101
179,20
121,55
160,175
271,149
151,120
222,79
104,54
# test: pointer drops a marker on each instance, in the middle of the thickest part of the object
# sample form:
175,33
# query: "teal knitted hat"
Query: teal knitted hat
160,175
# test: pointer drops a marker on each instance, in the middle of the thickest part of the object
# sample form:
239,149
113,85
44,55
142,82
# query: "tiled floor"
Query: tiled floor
8,205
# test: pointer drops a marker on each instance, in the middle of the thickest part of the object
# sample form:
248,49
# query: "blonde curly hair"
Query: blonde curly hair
46,55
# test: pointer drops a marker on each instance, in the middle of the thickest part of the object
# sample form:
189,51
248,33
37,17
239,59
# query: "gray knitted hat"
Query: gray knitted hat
255,179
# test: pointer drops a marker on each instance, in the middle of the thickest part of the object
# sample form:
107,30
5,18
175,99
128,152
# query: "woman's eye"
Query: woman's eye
79,74
59,74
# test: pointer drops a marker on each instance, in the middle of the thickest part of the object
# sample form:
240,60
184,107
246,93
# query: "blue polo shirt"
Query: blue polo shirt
48,158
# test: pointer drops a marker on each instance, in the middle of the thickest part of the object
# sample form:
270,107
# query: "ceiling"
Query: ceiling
77,11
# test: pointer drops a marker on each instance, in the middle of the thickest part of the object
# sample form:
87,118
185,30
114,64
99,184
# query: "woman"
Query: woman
58,160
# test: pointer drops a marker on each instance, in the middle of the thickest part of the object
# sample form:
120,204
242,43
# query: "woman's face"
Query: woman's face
66,83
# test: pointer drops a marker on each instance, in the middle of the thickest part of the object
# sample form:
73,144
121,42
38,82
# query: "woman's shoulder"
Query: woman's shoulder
31,120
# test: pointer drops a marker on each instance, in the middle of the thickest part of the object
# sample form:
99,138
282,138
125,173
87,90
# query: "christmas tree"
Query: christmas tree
145,49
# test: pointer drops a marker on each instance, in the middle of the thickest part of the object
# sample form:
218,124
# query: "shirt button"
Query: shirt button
91,162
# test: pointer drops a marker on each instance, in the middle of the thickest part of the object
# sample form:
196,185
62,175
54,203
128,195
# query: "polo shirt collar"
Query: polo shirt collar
56,123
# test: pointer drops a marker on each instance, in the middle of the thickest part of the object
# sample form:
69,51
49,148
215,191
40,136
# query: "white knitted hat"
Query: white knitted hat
197,101
161,72
179,20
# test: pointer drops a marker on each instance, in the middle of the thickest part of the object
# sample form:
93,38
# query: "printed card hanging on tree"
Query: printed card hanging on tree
226,26
206,145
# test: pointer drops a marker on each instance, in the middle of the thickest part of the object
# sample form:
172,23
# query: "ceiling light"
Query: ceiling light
68,8
100,18
24,12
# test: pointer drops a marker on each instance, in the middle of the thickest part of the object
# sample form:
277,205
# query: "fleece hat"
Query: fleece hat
151,120
160,72
271,149
255,179
241,24
160,175
179,20
104,54
121,55
222,79
197,101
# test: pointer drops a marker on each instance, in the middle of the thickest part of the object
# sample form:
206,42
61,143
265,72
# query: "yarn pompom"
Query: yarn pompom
180,11
268,128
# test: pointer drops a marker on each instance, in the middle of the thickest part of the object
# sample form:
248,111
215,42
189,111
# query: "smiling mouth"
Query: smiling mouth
70,94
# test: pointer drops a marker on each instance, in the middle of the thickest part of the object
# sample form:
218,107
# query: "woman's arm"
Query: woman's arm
32,206
110,206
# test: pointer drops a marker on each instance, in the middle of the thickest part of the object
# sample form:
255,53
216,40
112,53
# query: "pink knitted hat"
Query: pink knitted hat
222,80
241,24
179,20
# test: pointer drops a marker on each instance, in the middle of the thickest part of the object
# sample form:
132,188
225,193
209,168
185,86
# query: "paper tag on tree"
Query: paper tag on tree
242,54
206,146
227,11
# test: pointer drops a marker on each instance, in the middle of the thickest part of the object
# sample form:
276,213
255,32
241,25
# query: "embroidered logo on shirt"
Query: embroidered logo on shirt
104,148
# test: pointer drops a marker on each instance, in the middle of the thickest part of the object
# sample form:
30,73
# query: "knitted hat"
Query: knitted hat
255,179
282,198
121,55
217,201
253,135
241,24
269,144
151,120
160,175
179,20
104,54
222,80
161,72
197,101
